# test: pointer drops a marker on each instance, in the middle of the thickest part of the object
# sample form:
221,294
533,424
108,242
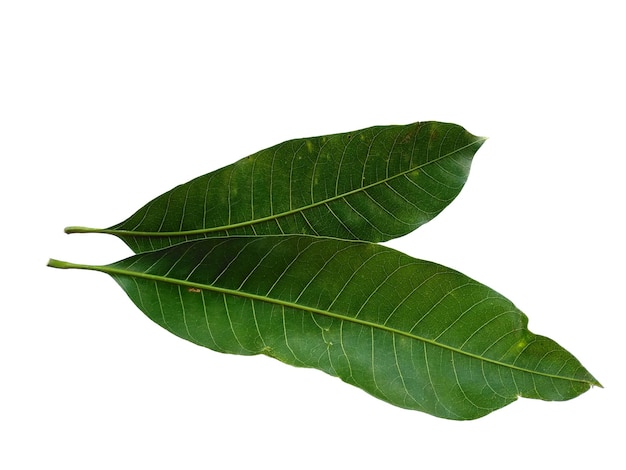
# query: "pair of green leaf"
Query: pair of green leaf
275,255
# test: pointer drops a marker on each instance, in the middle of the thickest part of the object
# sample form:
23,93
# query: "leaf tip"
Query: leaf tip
480,140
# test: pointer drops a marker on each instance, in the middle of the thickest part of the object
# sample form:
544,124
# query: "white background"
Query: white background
105,105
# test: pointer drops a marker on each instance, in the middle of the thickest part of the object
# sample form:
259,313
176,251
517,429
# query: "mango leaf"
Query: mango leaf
373,184
413,333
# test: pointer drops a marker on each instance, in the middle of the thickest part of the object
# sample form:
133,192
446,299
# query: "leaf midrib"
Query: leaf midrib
195,285
223,228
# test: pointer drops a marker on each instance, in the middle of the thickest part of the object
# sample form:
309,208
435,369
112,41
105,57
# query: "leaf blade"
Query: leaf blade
413,333
374,184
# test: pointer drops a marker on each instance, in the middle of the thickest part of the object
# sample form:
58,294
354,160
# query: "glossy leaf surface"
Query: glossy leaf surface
410,332
373,184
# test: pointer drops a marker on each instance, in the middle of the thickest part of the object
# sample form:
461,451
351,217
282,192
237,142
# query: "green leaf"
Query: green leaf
373,184
410,332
